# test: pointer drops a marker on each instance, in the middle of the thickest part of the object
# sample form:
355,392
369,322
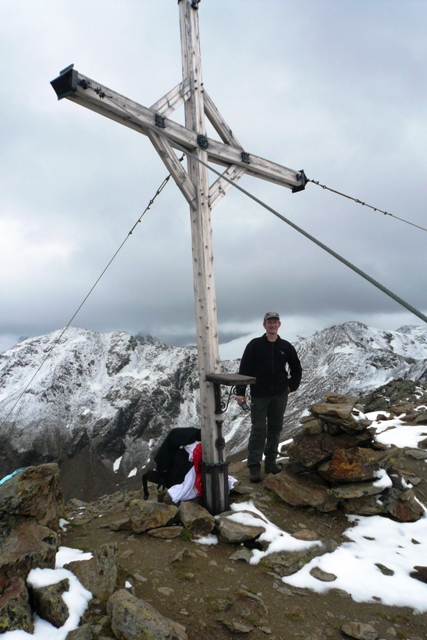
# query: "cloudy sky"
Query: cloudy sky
335,87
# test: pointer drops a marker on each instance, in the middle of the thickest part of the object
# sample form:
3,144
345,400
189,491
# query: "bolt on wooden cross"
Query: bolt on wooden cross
167,135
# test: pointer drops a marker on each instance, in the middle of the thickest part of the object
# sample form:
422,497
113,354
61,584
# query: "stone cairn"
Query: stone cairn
335,463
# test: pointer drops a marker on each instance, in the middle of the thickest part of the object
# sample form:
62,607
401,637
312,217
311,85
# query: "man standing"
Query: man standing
267,359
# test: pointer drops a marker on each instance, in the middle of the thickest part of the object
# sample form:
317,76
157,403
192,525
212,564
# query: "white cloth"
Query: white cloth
186,490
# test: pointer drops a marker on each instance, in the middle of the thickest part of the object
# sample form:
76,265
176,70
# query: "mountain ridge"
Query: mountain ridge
111,398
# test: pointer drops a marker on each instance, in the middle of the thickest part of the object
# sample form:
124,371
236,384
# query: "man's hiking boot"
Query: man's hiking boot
271,467
255,473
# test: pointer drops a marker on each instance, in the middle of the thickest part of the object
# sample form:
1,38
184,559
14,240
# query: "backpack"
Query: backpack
172,462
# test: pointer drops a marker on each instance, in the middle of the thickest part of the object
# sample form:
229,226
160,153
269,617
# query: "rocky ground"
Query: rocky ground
216,596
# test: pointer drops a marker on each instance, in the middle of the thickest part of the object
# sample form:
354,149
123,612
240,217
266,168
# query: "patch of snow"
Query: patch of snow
402,436
76,598
374,540
63,524
384,480
344,349
208,540
64,555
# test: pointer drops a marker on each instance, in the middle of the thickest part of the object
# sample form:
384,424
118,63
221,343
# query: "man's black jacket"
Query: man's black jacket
267,361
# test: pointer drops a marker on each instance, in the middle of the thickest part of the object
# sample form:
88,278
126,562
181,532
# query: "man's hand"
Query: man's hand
240,400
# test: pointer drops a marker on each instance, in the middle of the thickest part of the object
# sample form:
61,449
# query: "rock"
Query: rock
15,610
34,492
365,506
305,534
134,619
252,607
241,554
146,515
285,563
307,451
384,570
124,524
333,411
196,518
323,576
167,533
353,465
49,604
338,398
82,633
402,504
421,418
355,490
311,450
180,555
360,631
28,546
420,573
237,627
302,490
312,426
417,454
99,574
232,531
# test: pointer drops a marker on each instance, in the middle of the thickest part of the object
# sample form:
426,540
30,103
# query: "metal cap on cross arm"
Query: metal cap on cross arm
66,83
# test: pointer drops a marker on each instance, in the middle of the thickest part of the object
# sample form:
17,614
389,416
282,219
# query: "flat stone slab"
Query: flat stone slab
355,490
302,490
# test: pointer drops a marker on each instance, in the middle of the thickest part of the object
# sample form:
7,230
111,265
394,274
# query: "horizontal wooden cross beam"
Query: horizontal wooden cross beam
93,95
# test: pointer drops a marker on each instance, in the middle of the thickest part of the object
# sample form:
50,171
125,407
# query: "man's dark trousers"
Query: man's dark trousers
267,422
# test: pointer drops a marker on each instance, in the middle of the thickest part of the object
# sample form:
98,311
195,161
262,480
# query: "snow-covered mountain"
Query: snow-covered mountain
113,397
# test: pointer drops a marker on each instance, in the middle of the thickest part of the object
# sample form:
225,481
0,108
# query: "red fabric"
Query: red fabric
197,460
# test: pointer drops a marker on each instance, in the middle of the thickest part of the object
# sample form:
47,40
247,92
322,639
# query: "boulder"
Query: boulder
235,532
338,398
360,631
309,450
353,465
285,563
134,619
99,574
48,603
402,505
34,492
146,515
196,518
81,633
29,545
15,610
308,490
364,506
355,490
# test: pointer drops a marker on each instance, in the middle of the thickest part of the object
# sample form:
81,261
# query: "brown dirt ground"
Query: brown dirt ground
205,584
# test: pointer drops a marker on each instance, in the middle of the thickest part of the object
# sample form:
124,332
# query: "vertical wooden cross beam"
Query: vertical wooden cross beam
203,259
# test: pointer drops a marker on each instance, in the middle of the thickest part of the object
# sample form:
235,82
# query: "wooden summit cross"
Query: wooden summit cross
165,135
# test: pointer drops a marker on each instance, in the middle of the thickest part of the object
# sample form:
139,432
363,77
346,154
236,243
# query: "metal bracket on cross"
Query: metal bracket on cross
228,380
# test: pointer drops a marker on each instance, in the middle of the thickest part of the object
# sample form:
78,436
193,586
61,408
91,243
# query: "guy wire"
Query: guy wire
365,204
351,266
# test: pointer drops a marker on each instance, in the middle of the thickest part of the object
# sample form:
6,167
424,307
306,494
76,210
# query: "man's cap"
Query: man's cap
271,314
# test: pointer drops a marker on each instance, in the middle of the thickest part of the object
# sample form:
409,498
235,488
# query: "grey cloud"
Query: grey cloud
334,88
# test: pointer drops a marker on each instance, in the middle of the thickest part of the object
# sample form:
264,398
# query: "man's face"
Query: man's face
272,326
